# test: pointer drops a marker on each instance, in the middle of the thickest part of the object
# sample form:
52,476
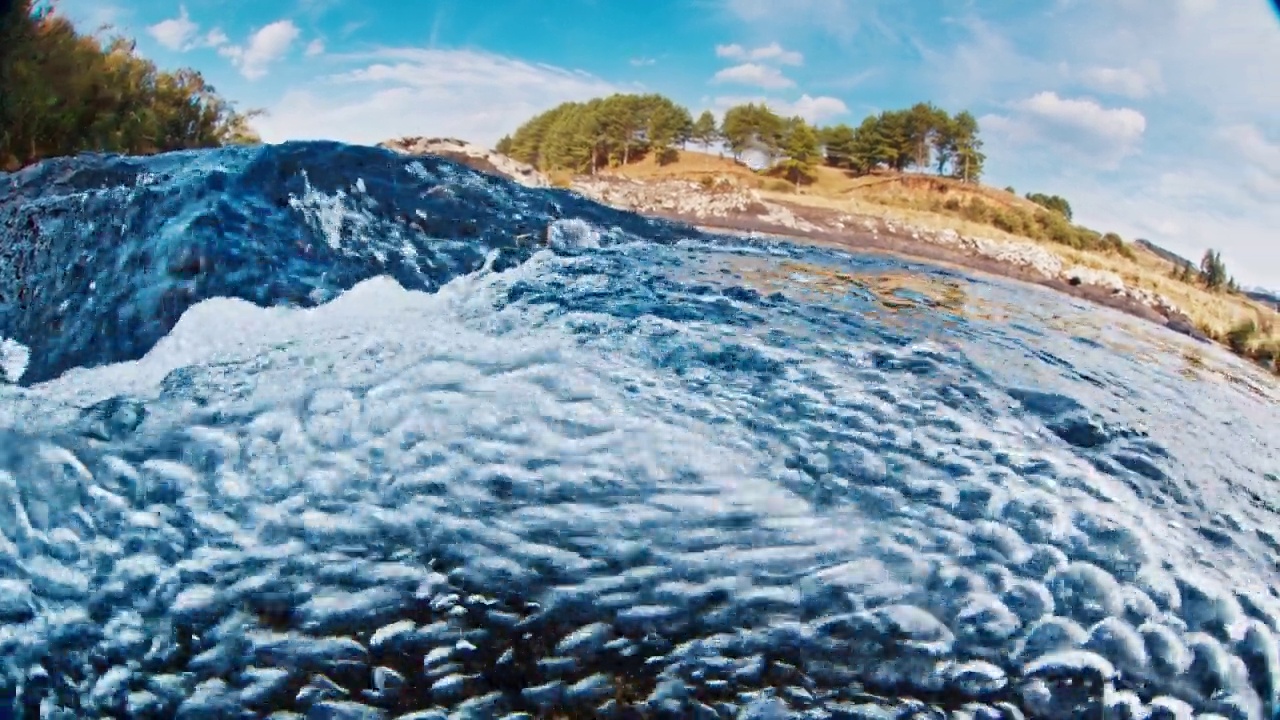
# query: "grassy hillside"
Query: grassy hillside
1249,328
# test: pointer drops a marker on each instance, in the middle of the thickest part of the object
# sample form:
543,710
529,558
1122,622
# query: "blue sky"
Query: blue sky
1155,118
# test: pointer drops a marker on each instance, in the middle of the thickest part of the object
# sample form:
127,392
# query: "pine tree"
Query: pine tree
1213,272
969,158
839,143
704,129
667,125
802,151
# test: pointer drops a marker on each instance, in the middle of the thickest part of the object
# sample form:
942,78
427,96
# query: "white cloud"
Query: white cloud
1121,126
175,33
472,95
642,61
773,51
265,46
763,76
1094,133
732,51
816,109
812,109
315,47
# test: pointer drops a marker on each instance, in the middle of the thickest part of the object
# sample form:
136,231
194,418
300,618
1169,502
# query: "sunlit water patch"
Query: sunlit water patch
618,477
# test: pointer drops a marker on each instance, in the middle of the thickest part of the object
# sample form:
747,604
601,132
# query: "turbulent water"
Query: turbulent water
322,431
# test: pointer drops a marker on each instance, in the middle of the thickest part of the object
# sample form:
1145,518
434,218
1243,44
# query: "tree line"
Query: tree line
619,129
1212,273
63,92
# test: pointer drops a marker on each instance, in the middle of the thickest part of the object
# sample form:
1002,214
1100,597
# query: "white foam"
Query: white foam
13,360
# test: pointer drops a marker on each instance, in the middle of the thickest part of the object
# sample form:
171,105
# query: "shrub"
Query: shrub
778,185
1240,334
1010,221
977,211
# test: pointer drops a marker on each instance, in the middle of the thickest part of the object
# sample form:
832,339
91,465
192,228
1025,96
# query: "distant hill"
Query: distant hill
1168,255
1270,297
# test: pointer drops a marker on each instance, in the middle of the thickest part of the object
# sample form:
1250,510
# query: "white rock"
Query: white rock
472,156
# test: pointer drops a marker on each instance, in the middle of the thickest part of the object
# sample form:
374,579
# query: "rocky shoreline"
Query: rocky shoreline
722,204
728,207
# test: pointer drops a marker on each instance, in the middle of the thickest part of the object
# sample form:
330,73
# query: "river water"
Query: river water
320,430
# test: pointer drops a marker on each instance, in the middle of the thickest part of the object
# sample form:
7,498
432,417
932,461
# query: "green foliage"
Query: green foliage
963,147
668,125
923,137
1247,338
1055,203
62,93
704,131
839,145
1213,272
1240,334
753,127
622,128
614,130
1038,225
802,152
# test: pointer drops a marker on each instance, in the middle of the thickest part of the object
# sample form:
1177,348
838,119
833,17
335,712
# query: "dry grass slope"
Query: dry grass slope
1249,328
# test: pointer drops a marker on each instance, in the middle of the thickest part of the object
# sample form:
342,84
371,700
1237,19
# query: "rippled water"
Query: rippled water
625,470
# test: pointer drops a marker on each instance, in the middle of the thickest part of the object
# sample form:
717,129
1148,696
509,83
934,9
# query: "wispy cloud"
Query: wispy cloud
352,27
315,47
1258,156
216,38
762,76
842,19
642,61
422,91
1129,82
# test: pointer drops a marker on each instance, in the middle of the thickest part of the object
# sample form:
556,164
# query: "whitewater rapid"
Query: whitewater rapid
578,464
